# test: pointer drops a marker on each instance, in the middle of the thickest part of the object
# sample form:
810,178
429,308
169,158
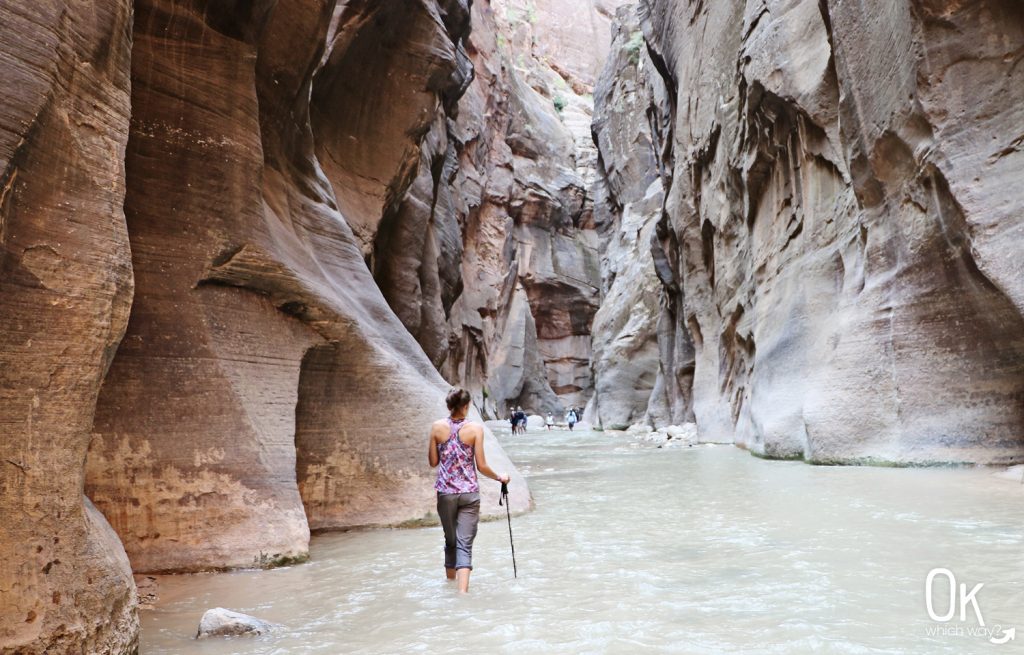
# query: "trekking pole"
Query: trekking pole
508,514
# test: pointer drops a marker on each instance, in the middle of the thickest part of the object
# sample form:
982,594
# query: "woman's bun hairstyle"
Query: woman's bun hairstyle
457,398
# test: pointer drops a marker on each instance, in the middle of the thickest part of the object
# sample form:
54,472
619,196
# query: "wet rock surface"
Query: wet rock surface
219,622
834,255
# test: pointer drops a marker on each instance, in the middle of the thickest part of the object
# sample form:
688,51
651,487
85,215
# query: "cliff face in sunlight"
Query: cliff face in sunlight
838,246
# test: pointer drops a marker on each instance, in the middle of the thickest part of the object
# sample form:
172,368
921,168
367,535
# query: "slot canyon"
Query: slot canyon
246,249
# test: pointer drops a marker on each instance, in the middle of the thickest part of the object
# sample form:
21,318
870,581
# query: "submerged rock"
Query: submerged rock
1012,473
149,591
638,429
219,622
669,436
679,436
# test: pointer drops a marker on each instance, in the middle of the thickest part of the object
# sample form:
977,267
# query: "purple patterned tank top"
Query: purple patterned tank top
456,470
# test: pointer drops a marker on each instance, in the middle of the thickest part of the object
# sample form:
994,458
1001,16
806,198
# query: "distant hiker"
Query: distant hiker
520,420
570,417
549,421
457,448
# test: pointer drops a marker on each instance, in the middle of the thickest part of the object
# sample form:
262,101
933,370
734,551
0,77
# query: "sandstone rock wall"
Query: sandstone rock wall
210,154
489,259
841,233
65,290
638,374
249,399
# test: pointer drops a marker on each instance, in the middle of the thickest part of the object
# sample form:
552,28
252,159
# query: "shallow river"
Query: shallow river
634,549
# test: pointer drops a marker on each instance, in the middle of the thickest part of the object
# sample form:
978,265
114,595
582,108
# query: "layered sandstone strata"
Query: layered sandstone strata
65,291
840,227
490,258
264,385
641,365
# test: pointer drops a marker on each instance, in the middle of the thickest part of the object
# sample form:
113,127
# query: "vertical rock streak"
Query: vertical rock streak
65,290
831,246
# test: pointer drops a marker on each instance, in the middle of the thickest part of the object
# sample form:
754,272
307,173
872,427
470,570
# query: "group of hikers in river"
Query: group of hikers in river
456,449
517,417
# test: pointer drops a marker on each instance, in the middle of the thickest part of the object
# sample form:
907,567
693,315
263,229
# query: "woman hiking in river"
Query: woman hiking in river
457,448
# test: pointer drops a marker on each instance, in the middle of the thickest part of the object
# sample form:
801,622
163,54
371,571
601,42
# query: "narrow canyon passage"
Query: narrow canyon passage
247,249
715,551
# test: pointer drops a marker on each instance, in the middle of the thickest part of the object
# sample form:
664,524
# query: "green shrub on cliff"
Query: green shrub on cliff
636,41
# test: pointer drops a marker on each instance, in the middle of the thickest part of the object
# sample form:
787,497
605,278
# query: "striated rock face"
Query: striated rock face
489,259
194,456
635,349
65,290
264,386
839,225
529,263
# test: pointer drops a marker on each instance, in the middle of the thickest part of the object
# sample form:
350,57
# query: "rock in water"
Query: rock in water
219,622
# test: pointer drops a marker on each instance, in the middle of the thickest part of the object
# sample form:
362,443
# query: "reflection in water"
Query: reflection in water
636,550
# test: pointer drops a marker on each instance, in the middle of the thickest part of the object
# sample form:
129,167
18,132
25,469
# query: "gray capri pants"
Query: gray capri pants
460,514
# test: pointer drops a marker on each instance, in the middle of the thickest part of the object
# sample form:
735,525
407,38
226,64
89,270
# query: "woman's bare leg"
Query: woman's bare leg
449,573
462,575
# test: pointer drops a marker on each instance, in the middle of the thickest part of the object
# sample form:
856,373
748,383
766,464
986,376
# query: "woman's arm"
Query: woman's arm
432,448
481,459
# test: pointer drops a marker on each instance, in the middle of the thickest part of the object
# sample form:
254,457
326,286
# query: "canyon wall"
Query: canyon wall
840,237
238,191
490,258
642,361
65,291
264,387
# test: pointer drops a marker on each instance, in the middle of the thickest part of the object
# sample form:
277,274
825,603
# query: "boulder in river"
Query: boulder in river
220,622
